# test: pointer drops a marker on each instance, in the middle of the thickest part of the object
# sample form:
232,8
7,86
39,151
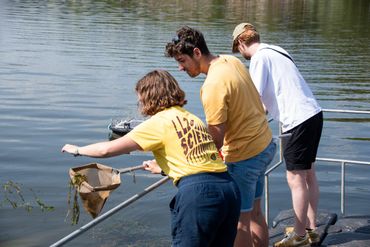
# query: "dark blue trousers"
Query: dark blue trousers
205,211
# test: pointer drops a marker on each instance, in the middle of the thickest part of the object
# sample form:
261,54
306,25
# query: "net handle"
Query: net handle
130,169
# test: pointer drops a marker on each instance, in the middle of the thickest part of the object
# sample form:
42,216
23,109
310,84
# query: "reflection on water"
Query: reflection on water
359,138
349,120
68,67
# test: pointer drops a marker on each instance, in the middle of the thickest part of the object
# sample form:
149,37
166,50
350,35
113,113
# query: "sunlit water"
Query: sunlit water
68,67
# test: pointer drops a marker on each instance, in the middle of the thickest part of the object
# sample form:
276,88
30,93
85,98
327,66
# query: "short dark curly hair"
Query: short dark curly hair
157,91
185,41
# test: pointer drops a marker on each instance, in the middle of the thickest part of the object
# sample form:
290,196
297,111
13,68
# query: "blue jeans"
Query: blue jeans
249,175
205,211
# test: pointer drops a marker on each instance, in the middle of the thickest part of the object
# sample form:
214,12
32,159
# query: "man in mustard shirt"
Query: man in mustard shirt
237,122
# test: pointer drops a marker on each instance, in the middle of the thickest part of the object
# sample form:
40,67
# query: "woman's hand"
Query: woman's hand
152,166
72,149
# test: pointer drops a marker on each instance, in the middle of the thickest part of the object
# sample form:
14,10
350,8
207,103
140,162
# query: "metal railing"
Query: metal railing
109,213
101,218
341,161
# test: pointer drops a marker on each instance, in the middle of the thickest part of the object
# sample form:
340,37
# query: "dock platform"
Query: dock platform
346,231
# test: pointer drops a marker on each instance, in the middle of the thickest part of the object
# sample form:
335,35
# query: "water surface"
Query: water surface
68,67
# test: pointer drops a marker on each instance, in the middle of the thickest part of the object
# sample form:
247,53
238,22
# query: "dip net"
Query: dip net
94,183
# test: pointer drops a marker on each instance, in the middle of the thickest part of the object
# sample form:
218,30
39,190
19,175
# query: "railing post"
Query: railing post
280,144
267,199
342,189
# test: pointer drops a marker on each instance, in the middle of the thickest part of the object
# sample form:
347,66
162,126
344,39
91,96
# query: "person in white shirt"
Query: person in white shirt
289,100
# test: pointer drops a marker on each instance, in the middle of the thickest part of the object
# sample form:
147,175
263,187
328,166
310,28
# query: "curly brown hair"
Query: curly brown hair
157,91
186,40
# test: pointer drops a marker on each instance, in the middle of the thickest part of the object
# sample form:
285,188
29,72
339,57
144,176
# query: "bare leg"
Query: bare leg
244,236
298,187
258,226
313,196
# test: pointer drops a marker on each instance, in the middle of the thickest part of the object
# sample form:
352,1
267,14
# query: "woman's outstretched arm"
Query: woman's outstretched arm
122,145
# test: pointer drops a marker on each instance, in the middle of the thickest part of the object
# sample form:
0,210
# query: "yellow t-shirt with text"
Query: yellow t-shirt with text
229,96
180,143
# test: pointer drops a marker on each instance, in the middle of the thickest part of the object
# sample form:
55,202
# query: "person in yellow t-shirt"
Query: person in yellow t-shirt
237,122
206,208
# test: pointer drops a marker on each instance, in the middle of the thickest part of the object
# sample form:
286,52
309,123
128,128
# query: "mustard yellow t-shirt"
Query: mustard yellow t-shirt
229,96
180,143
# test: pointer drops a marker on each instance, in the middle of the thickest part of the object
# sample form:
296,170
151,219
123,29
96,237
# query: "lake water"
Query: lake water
68,67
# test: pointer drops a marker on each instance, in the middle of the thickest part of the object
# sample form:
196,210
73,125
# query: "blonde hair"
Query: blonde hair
248,37
157,91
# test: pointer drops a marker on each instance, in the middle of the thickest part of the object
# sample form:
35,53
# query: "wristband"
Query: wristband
163,174
76,153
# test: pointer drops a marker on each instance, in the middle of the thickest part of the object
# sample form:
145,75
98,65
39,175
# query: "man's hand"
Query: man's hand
217,132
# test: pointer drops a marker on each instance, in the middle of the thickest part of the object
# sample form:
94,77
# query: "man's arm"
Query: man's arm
217,132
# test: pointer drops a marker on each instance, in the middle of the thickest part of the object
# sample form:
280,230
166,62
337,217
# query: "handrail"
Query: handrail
267,200
342,161
343,177
109,213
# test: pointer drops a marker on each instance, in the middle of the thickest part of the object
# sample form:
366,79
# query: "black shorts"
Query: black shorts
300,149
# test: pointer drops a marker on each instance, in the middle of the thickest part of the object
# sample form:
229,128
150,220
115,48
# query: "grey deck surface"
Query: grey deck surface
349,231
